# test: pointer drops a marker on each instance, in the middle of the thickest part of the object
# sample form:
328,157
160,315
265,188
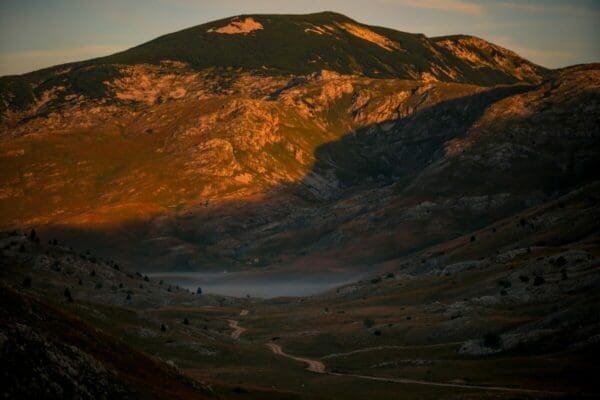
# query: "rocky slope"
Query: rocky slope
260,44
202,166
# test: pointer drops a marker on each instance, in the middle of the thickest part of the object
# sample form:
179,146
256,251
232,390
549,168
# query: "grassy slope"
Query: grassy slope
426,344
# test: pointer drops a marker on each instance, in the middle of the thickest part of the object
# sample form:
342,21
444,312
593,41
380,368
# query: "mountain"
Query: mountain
288,45
189,146
429,205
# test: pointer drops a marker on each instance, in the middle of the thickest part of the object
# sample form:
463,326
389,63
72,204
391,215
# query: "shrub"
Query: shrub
26,282
377,332
67,294
473,238
560,261
199,290
505,283
163,328
390,275
492,340
186,321
524,278
539,280
368,323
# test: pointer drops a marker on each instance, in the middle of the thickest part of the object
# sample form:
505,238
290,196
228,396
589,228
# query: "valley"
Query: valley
375,214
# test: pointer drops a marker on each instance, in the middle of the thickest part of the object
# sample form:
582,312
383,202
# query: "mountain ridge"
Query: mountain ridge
320,41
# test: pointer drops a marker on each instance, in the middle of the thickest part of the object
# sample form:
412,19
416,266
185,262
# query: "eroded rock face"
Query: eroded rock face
238,26
170,138
370,36
480,54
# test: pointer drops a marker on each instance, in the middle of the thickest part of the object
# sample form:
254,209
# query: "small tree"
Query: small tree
186,321
67,294
368,323
26,282
539,280
199,290
560,261
163,328
492,340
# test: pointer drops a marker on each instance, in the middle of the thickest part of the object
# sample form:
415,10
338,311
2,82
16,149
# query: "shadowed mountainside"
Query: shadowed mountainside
387,188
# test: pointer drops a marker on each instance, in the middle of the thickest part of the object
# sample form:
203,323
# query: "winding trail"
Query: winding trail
453,385
319,368
237,329
313,365
376,348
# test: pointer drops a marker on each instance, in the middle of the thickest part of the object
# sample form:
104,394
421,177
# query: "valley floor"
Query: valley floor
512,314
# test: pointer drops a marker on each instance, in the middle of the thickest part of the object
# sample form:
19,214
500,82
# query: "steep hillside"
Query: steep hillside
185,153
205,169
283,45
47,352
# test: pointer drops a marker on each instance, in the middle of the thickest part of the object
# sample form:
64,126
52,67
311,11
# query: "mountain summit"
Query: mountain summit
298,44
291,45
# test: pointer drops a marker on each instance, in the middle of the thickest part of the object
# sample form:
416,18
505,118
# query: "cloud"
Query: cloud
457,6
29,60
571,10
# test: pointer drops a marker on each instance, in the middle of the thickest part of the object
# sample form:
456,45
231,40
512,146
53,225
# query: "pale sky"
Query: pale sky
41,33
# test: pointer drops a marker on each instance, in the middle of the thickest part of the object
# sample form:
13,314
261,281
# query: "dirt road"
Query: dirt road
237,329
313,365
318,367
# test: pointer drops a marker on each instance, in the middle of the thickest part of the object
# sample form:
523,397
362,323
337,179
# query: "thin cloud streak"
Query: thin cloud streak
457,6
548,8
